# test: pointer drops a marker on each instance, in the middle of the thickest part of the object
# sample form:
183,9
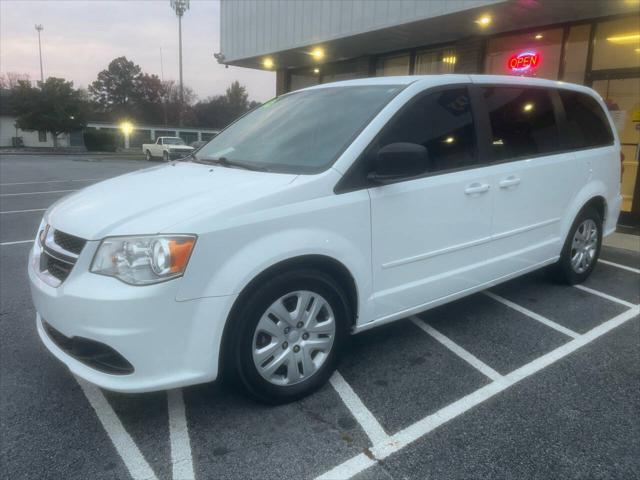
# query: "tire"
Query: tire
165,157
264,365
148,156
581,238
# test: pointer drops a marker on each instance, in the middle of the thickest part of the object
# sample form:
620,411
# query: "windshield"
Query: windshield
303,132
173,141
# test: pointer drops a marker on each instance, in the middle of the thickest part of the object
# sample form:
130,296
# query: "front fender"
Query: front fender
226,260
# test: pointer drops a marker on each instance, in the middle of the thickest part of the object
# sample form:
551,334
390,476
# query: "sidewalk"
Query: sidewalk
623,240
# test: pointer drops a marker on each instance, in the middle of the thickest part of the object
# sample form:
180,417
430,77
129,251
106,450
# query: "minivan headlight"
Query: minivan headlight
143,260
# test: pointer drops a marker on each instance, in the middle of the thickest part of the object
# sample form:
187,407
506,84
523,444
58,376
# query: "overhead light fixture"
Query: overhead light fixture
449,140
484,21
527,107
316,71
625,39
538,36
450,59
267,62
317,53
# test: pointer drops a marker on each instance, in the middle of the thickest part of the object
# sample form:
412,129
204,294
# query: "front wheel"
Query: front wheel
165,156
148,156
287,338
581,249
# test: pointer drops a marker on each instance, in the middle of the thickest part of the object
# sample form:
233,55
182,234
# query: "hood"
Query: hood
150,200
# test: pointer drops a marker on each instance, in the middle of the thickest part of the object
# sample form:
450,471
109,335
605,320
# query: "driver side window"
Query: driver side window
440,121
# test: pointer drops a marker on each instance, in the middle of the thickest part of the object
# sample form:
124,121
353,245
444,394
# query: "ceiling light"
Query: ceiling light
625,39
267,63
538,36
527,107
484,21
317,53
449,140
316,70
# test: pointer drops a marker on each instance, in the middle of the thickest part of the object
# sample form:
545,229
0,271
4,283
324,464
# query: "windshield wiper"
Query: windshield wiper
225,162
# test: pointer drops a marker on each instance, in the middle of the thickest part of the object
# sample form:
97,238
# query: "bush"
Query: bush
100,141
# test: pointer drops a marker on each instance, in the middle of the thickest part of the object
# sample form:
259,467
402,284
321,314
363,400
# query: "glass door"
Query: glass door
622,96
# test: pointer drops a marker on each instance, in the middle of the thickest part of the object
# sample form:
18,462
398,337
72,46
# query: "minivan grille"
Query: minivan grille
60,253
68,242
56,267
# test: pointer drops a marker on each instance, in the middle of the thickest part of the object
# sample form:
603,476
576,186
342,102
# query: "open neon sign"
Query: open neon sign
523,62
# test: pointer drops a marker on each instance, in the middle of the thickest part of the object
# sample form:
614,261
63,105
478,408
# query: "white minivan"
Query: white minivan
323,213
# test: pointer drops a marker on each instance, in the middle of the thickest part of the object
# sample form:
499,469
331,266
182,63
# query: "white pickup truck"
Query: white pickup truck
166,148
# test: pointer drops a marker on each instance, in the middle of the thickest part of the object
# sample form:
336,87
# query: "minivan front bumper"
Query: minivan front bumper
167,343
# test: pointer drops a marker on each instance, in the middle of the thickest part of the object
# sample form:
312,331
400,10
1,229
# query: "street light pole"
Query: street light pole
180,6
39,28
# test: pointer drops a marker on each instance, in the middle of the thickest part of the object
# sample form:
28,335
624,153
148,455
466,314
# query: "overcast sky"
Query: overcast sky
81,37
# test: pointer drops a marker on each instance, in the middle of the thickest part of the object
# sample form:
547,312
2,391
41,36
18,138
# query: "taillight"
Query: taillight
621,165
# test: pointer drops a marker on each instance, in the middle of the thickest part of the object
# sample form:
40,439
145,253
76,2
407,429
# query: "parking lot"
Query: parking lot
529,380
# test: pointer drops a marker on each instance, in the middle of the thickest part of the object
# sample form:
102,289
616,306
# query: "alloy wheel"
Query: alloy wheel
584,246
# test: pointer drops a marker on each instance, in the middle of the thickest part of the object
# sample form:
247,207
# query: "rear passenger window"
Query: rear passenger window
586,121
522,121
441,122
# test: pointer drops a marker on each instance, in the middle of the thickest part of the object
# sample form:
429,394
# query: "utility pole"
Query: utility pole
39,28
164,92
180,6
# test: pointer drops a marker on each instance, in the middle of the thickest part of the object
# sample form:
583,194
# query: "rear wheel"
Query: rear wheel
581,249
286,339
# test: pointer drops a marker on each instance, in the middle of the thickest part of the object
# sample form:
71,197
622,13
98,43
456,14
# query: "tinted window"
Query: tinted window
440,121
522,122
586,121
301,132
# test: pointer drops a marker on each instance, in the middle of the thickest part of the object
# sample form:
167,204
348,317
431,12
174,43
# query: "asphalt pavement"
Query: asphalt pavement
530,380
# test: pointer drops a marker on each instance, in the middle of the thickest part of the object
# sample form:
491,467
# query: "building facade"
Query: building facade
590,42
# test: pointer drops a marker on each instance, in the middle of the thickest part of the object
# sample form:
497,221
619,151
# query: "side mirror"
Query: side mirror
397,161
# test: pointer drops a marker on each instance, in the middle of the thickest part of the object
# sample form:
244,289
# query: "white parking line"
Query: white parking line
605,295
50,181
421,428
181,459
457,349
122,441
34,193
617,265
533,315
25,211
365,418
17,242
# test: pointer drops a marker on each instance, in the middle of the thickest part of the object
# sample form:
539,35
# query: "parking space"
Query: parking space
529,380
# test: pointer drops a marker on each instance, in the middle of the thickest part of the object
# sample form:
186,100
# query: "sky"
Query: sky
81,37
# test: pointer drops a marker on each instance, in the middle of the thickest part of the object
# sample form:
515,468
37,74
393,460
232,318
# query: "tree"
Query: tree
219,111
9,80
116,86
54,106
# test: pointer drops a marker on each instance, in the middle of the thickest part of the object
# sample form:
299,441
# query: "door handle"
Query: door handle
477,188
510,181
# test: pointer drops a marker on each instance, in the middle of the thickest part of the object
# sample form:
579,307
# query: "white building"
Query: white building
143,133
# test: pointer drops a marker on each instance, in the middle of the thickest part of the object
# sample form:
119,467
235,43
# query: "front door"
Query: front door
430,235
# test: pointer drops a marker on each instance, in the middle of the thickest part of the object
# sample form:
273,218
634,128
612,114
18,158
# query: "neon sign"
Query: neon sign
524,62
